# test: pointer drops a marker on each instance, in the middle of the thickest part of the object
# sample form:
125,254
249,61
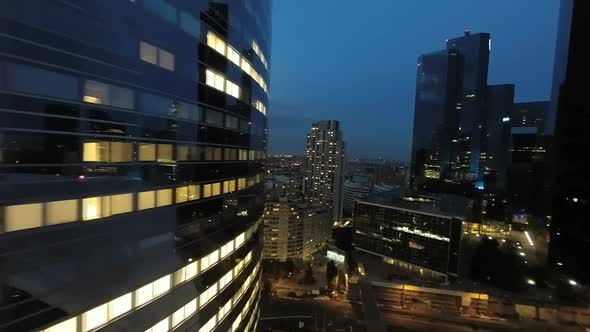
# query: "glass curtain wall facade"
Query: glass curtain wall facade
570,230
475,49
436,117
132,146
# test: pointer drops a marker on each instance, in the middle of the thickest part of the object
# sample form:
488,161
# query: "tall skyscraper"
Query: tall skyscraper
525,174
131,142
570,230
436,117
495,156
475,49
324,166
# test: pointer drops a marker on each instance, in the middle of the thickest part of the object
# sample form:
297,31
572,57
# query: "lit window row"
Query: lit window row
219,82
156,56
25,216
260,107
105,313
114,152
183,314
240,317
258,52
218,44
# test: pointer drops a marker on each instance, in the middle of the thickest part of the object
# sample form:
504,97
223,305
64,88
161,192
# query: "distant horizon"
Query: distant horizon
374,99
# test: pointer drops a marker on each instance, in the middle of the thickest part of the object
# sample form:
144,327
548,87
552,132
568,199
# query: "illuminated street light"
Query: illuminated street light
530,282
522,253
573,282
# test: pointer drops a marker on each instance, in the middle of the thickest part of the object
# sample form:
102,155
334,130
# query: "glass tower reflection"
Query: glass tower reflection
132,147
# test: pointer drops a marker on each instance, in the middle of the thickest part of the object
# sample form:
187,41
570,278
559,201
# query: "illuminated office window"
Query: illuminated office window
260,107
178,276
246,66
162,285
224,310
210,325
96,93
225,280
207,295
166,59
120,152
207,190
215,42
162,326
217,153
216,189
243,154
229,186
147,152
121,203
144,294
178,316
148,53
233,55
95,317
240,239
24,216
194,192
95,207
163,197
120,305
146,200
214,80
106,94
70,325
61,211
182,153
232,89
190,308
164,153
241,183
95,151
156,56
227,249
181,194
251,155
191,270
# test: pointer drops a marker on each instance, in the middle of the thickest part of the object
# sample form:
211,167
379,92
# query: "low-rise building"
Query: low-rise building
416,233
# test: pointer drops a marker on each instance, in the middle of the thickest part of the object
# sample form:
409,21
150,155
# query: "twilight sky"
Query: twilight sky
355,61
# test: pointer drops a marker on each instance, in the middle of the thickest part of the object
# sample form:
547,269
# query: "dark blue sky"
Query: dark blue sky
355,61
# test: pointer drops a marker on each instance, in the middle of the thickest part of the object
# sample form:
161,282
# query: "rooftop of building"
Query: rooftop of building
444,205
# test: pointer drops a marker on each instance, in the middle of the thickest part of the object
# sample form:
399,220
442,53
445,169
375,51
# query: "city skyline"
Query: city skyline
341,89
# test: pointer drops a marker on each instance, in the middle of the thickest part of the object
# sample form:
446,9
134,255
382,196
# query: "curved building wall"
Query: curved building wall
132,146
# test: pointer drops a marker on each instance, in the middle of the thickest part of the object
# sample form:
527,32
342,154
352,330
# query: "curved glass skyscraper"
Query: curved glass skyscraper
132,146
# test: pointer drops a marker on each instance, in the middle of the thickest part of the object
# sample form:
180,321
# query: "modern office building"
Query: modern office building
131,138
417,233
475,50
570,230
324,165
526,170
354,188
294,230
436,118
495,154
